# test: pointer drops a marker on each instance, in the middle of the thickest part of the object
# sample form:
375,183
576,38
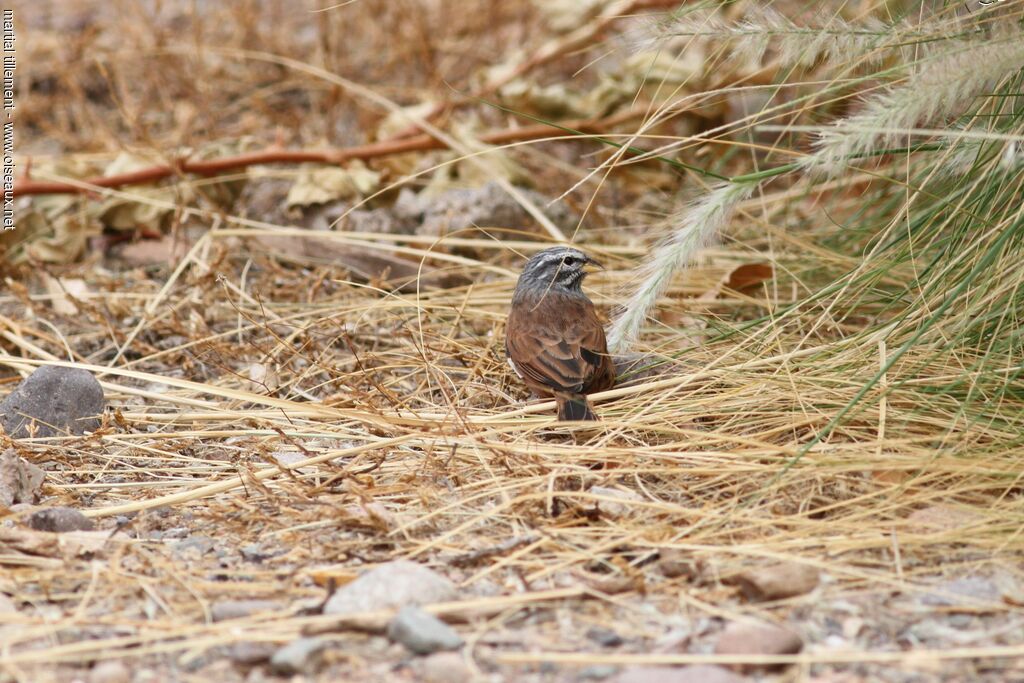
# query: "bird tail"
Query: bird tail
574,407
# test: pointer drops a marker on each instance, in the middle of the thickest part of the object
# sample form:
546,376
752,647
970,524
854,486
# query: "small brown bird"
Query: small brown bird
553,338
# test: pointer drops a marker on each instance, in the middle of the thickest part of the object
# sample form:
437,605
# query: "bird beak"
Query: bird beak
595,263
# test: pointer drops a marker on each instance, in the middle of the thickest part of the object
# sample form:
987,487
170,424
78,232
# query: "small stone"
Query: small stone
465,209
757,639
192,547
445,667
391,586
673,563
250,653
598,672
19,479
422,632
258,552
236,609
778,581
299,656
110,671
670,674
56,400
59,520
604,636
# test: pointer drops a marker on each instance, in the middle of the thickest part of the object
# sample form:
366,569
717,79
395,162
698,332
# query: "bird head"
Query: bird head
557,267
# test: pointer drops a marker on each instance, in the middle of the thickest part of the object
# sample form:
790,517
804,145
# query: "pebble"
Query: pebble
19,479
391,586
235,609
604,636
673,563
757,639
597,672
59,520
422,632
299,656
445,667
250,653
778,581
110,671
59,400
670,674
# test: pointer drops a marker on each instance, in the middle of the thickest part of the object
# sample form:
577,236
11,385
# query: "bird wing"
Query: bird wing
562,353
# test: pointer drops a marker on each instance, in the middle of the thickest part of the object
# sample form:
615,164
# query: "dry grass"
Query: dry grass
386,424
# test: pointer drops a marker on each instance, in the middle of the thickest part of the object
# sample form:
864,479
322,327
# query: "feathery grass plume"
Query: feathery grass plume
697,225
761,27
965,155
940,89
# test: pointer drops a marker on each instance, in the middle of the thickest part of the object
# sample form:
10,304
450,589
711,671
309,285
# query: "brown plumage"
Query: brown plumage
553,338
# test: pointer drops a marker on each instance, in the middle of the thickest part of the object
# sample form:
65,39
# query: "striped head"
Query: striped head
557,268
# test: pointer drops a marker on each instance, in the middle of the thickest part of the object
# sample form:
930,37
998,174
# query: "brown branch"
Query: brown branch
208,167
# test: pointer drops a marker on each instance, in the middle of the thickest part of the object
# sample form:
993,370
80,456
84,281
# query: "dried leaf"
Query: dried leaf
740,278
322,184
62,291
331,576
398,121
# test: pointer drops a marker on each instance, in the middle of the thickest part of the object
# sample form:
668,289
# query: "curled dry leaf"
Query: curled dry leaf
739,279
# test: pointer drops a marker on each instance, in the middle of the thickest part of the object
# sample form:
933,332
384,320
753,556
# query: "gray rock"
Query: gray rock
19,479
422,632
299,656
604,636
59,520
193,546
56,400
391,586
235,609
970,591
669,674
467,208
250,653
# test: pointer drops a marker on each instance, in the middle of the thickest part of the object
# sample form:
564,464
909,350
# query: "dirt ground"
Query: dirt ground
305,381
